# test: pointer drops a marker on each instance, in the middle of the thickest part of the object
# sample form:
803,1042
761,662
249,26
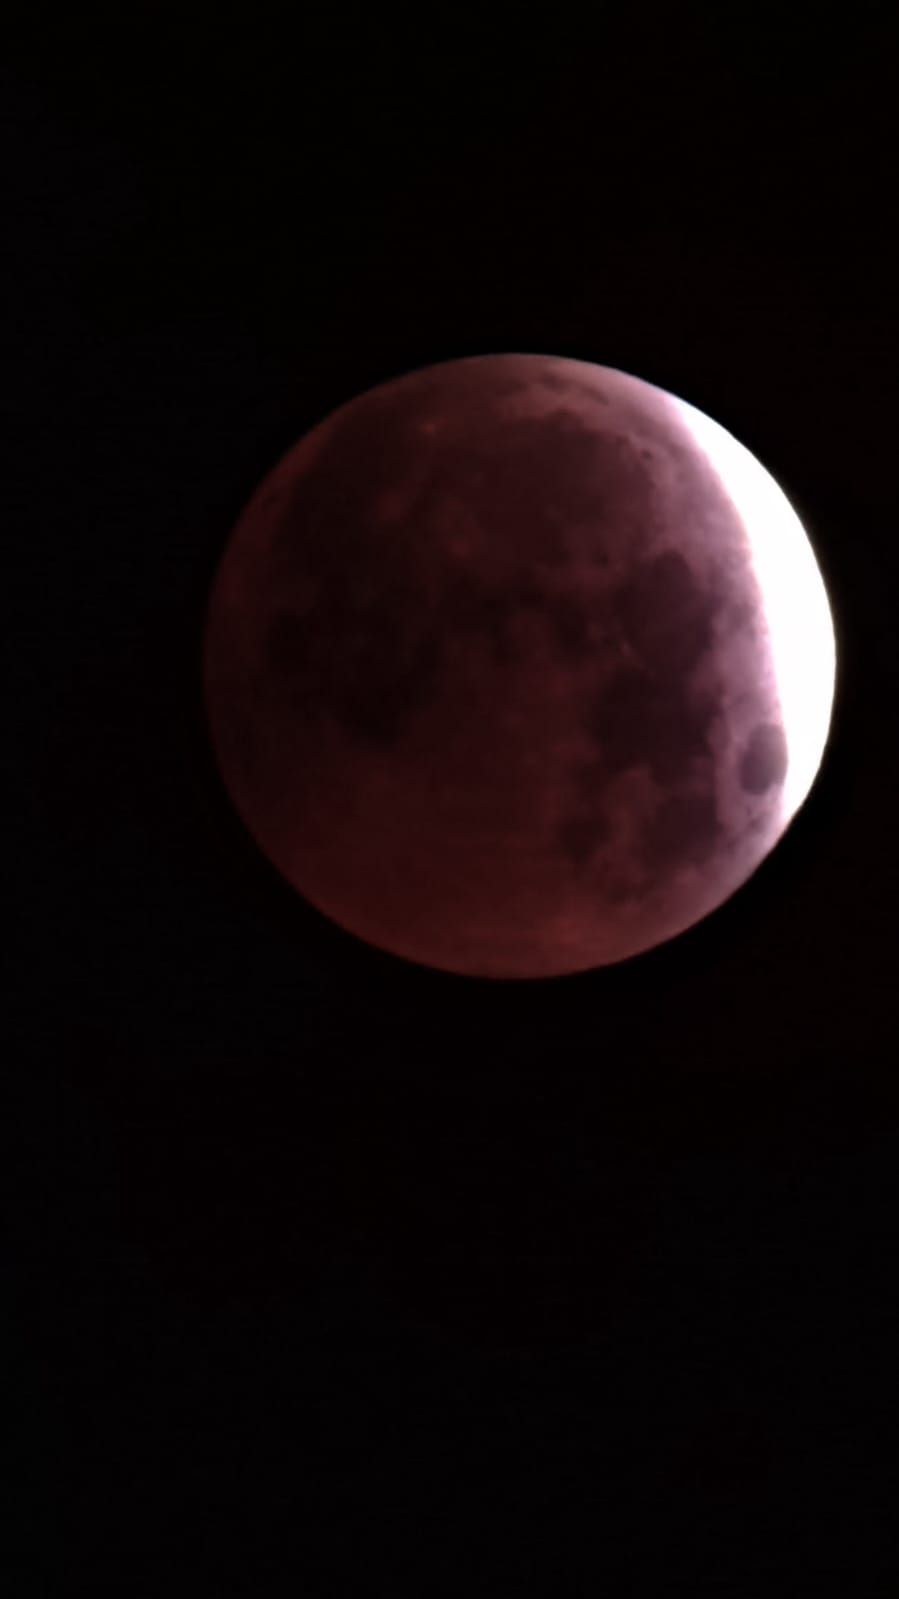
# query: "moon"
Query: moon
516,666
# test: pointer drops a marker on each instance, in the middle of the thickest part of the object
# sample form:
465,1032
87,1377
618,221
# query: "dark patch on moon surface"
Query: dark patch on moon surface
572,627
645,717
683,830
764,760
667,614
386,597
647,713
585,827
579,837
359,666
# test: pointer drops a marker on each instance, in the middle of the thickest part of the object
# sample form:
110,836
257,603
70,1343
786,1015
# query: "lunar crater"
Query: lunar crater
764,761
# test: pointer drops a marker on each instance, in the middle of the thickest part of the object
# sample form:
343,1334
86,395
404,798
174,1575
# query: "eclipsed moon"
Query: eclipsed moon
517,666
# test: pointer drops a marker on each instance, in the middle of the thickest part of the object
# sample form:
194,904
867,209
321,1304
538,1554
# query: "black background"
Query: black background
329,1273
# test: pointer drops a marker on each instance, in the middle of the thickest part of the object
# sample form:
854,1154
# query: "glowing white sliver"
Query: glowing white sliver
796,607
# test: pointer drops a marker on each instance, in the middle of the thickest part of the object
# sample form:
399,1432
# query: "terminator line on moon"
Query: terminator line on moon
517,666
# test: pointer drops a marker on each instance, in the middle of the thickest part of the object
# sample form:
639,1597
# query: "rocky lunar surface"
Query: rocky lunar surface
490,673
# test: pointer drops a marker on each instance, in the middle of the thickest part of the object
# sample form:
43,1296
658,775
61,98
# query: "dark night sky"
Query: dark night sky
325,1267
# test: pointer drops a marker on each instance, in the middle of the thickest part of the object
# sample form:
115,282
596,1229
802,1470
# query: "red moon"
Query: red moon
517,666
